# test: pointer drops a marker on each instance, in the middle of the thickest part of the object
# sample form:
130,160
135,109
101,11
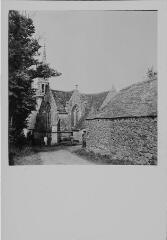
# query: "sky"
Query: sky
98,49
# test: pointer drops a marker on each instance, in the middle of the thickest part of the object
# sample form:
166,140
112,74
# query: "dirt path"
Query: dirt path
48,156
61,157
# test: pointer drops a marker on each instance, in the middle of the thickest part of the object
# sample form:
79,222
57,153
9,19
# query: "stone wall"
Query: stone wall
133,139
78,136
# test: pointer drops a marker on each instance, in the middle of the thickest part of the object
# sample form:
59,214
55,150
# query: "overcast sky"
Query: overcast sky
98,49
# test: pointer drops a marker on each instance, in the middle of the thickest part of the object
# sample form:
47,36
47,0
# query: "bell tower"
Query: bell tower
40,84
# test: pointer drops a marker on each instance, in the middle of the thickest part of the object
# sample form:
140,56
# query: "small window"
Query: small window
43,88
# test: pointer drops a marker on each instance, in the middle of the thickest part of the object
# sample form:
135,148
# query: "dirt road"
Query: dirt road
63,156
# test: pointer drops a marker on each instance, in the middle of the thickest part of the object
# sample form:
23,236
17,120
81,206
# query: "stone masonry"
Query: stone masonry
133,139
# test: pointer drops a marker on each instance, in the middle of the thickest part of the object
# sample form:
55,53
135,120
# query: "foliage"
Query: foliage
23,53
44,71
151,74
97,158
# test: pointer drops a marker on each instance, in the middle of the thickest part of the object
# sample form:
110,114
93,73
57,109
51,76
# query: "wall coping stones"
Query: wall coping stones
119,118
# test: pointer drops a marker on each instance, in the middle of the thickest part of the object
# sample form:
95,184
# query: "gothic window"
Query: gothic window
75,115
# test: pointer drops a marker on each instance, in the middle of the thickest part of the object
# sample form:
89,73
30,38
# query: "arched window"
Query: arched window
75,115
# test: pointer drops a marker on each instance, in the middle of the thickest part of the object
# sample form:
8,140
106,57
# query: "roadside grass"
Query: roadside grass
101,159
28,155
23,156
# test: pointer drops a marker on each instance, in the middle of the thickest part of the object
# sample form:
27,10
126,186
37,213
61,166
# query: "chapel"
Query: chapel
62,114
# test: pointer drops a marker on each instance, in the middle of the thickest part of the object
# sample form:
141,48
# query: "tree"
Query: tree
151,74
23,53
43,71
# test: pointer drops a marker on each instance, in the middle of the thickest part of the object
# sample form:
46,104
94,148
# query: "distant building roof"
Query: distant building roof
111,94
137,100
93,104
94,100
61,97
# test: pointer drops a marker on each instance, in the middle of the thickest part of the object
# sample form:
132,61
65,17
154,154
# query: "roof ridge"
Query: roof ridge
138,83
131,101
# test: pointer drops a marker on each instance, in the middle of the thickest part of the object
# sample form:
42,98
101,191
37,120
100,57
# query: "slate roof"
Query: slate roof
93,104
95,100
61,97
111,94
137,100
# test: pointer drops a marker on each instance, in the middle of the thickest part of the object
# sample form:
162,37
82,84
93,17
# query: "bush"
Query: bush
21,141
11,158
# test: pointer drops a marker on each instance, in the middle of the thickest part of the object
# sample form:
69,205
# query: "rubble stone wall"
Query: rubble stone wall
133,139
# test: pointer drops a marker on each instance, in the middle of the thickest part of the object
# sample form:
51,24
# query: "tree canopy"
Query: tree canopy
22,58
43,71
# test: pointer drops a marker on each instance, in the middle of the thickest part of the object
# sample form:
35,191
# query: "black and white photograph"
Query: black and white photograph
82,87
84,120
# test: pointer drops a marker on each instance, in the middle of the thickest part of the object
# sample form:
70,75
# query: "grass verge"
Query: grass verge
101,159
23,156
